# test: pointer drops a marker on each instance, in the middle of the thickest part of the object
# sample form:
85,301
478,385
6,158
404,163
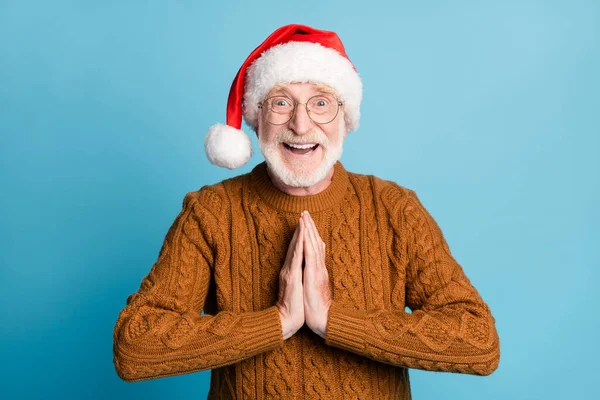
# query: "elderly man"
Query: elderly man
303,270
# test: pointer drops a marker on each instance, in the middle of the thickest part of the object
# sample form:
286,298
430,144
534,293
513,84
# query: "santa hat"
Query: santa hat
293,53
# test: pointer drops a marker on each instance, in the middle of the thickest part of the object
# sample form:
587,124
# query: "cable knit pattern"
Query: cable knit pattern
319,369
347,276
373,274
208,301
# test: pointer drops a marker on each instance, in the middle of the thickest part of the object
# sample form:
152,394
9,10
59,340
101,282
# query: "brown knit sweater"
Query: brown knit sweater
384,252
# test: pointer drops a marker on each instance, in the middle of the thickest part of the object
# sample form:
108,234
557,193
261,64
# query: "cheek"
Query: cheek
336,136
265,134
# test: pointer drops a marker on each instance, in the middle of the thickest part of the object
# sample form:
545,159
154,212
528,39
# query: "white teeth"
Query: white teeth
301,146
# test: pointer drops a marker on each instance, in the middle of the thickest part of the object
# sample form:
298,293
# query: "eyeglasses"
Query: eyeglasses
321,109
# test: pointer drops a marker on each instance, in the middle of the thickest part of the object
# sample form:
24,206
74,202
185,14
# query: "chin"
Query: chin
299,175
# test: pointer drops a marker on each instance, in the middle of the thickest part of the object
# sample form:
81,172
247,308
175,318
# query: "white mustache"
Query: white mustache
313,137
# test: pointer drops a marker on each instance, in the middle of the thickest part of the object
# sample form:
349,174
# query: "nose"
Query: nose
300,123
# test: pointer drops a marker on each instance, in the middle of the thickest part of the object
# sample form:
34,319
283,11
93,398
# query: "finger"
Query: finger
309,251
313,233
308,223
298,246
293,242
314,228
319,243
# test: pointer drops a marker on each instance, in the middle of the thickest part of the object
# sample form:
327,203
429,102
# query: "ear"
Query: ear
258,126
344,123
258,122
344,126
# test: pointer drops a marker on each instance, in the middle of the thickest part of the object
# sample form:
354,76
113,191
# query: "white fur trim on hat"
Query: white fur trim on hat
227,147
302,62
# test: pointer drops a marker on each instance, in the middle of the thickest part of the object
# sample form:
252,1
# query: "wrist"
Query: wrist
319,324
288,326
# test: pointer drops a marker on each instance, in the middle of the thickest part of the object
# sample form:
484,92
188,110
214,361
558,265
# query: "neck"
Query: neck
301,191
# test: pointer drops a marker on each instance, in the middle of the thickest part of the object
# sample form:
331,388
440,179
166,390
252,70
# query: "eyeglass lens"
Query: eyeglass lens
322,109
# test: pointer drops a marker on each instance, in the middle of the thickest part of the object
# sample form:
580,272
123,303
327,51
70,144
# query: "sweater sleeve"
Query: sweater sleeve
450,328
162,332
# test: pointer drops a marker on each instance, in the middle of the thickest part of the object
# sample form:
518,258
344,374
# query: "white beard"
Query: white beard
300,176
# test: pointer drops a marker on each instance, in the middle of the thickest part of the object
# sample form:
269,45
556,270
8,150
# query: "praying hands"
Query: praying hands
304,294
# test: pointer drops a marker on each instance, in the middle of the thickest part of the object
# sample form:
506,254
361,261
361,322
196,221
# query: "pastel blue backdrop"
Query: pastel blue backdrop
489,110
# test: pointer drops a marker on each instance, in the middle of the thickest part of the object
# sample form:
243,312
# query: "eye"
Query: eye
319,102
280,103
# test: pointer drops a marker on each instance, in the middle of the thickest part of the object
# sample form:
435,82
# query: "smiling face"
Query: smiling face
300,153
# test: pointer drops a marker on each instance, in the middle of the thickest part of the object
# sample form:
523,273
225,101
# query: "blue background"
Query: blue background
488,110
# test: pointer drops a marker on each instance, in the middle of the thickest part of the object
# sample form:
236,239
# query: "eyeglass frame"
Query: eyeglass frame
337,111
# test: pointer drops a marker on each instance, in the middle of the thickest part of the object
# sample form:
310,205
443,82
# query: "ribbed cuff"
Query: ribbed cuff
345,328
262,330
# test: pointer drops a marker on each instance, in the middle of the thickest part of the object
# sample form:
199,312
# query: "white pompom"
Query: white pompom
227,147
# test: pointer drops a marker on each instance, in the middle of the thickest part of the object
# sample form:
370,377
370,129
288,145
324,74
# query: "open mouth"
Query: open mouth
300,148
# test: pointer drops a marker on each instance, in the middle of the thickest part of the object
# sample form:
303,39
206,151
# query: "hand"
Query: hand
290,302
317,293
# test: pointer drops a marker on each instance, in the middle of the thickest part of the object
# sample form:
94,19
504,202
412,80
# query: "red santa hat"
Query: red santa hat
293,53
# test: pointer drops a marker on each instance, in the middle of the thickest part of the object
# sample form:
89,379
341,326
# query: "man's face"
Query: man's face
300,152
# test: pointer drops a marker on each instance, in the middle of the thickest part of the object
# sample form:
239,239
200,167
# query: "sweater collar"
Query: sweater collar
285,202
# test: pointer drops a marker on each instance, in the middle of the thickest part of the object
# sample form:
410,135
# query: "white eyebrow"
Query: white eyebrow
282,89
